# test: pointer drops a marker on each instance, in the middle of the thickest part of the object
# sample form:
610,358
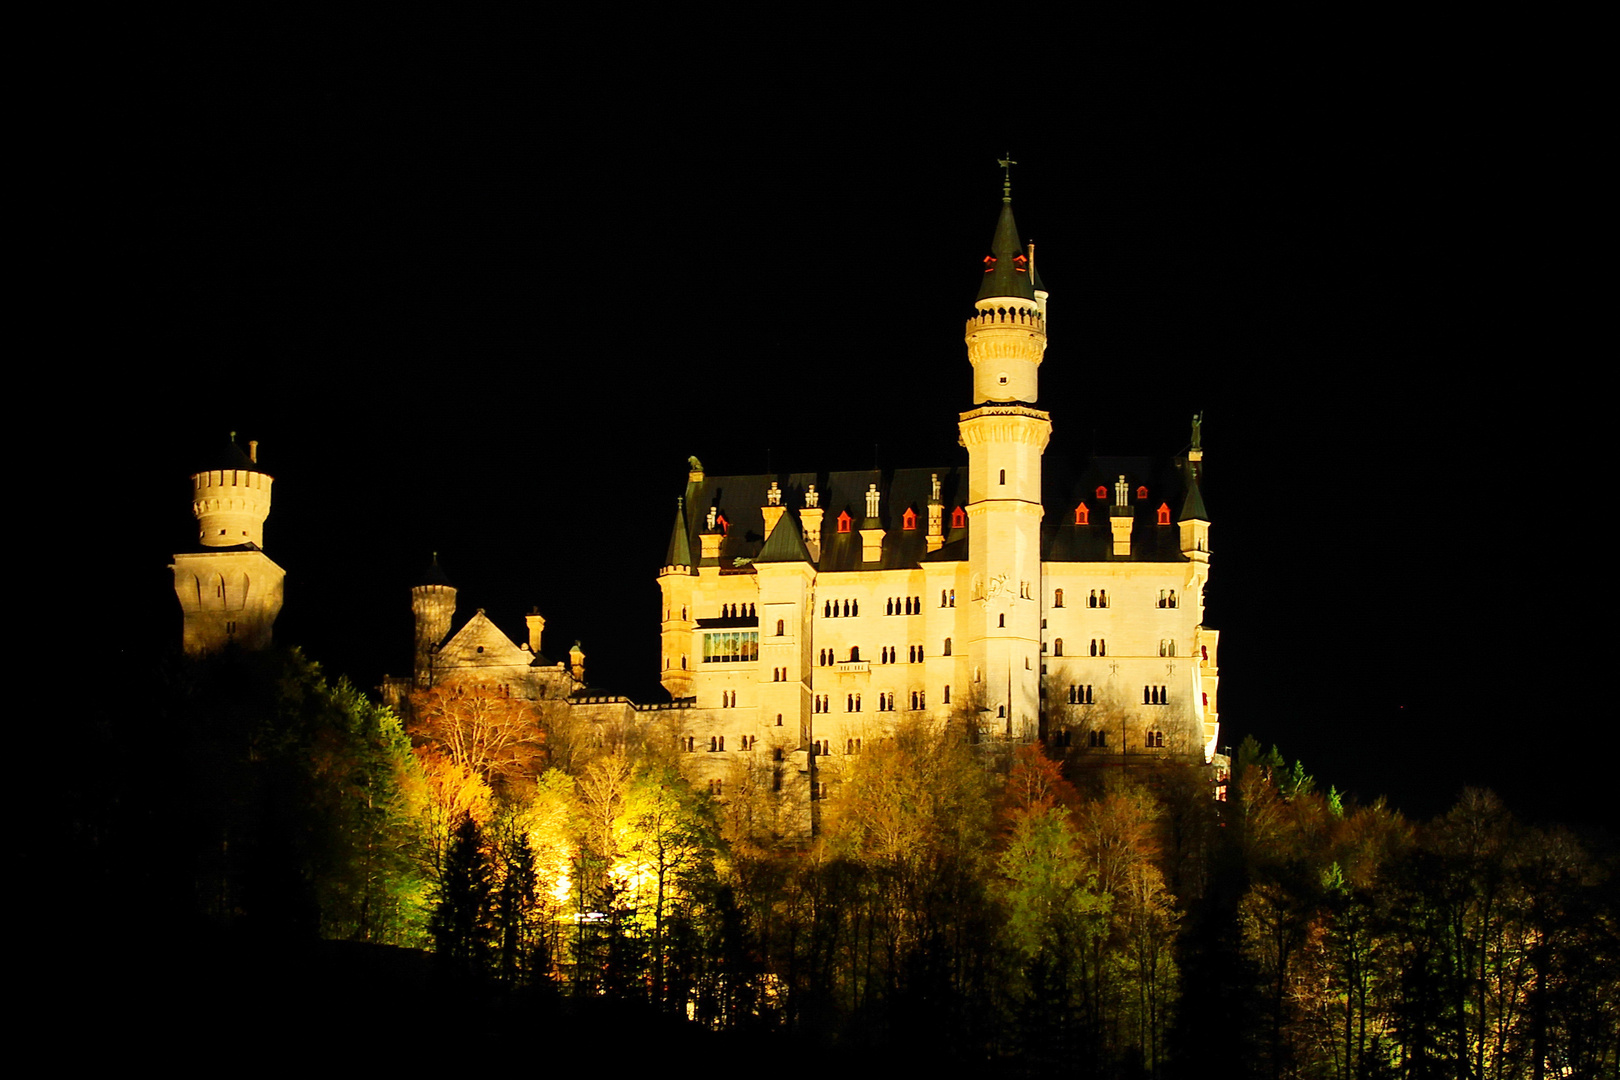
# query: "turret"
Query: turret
1005,435
231,499
675,582
230,592
433,602
1194,519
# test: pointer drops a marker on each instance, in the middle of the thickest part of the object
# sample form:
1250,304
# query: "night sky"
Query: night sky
481,288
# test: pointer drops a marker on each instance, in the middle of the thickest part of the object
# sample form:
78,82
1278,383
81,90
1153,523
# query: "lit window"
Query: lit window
909,520
1082,514
1164,514
1057,647
843,521
1102,491
1057,598
958,518
1141,492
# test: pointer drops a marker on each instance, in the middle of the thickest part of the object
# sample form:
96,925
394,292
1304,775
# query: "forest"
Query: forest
967,900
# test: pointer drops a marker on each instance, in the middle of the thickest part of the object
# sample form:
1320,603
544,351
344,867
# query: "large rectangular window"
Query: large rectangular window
730,646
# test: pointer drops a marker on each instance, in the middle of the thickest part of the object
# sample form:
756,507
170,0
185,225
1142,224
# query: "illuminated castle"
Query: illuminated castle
229,589
803,613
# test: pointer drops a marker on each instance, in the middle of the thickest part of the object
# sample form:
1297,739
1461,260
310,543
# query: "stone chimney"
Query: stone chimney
1120,517
810,519
537,626
576,663
773,509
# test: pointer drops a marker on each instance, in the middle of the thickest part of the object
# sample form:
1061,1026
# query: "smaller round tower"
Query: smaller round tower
231,498
433,602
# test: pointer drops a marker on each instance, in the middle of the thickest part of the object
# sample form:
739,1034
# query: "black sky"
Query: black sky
480,288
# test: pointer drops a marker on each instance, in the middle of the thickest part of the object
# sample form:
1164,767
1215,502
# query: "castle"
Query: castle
804,613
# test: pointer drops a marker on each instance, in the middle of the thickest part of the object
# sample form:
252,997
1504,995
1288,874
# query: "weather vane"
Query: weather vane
1006,164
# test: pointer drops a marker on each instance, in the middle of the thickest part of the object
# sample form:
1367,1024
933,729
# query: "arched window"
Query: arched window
857,703
953,598
1161,598
1057,598
1003,621
1102,598
947,649
1093,646
1057,647
1003,477
781,627
942,598
1203,652
1172,598
1172,644
1092,602
826,609
1001,711
778,724
854,653
947,694
1206,699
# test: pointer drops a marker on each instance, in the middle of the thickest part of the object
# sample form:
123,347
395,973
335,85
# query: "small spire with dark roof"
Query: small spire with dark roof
680,543
1006,271
434,575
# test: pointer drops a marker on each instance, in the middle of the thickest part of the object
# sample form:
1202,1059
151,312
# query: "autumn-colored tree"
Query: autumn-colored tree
483,730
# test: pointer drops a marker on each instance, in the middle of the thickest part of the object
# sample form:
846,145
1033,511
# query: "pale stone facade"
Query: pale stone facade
229,590
804,613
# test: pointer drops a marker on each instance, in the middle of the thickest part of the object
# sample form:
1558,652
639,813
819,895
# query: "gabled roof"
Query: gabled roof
480,643
1064,541
786,542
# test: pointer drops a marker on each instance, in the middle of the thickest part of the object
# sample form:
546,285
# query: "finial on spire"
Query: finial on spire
1197,430
1006,164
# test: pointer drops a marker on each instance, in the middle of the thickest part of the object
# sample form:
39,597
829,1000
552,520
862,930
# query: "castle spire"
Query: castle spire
1006,268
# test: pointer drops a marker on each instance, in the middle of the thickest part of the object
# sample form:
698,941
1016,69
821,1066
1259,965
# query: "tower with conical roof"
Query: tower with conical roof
433,604
1005,435
230,591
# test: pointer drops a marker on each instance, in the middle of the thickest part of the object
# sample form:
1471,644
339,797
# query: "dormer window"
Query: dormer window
958,518
989,263
1102,491
908,520
1164,513
1082,514
1141,492
843,521
725,526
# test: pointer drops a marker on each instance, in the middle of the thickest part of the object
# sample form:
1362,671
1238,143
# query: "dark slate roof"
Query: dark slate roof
1064,541
228,456
1006,276
679,552
740,499
786,542
433,575
1192,508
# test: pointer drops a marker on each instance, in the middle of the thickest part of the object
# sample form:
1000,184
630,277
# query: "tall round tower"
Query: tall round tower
1005,435
230,592
433,602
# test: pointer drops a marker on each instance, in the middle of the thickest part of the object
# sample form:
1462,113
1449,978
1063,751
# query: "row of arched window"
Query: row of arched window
1167,647
1155,695
779,674
833,609
728,699
732,611
947,598
852,746
821,746
903,605
1080,694
717,743
1167,598
886,702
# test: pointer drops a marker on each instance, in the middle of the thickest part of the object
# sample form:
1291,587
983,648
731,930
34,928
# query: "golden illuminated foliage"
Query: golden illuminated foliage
483,730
